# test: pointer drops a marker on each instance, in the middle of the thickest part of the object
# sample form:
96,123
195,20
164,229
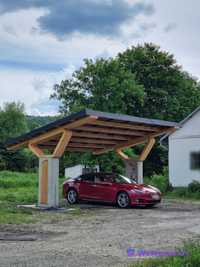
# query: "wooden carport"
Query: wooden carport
88,131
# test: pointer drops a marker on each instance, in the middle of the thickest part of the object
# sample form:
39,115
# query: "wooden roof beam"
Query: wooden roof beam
110,130
99,136
62,144
125,126
47,136
147,149
134,141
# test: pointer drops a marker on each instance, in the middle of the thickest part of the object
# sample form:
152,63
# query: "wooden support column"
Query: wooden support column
48,195
147,149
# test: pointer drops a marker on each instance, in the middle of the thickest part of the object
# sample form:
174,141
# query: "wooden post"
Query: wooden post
48,195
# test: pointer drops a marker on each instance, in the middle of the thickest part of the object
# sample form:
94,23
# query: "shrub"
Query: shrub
161,181
194,187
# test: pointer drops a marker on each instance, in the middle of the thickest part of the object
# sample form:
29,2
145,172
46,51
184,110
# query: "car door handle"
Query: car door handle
94,185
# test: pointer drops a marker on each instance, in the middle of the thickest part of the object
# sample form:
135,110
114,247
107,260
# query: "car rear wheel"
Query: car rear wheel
72,196
123,200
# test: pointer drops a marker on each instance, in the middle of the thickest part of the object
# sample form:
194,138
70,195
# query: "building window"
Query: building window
195,160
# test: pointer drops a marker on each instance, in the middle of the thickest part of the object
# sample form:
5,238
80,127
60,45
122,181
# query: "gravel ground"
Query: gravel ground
99,237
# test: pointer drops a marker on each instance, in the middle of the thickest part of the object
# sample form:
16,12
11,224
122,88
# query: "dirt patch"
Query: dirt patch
100,239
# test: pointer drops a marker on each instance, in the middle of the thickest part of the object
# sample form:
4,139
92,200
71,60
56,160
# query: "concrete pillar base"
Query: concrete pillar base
134,169
48,196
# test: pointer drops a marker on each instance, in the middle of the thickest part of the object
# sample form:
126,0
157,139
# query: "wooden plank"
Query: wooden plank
36,150
94,141
122,145
63,142
125,126
147,149
100,136
93,146
44,183
84,140
134,141
81,150
110,130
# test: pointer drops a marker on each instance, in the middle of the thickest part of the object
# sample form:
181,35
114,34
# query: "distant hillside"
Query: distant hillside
38,121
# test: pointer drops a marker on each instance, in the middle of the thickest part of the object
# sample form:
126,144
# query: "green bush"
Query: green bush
161,181
194,187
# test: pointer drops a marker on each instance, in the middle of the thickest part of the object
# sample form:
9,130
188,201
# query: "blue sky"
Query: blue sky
43,42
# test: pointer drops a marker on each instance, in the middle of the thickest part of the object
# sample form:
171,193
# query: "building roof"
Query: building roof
190,116
180,124
94,130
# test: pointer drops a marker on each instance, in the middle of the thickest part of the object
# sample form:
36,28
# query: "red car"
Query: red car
110,187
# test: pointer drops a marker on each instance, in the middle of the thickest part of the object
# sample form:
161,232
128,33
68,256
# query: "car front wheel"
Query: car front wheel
123,200
72,196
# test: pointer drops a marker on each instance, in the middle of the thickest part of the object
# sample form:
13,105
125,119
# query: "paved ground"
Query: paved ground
99,237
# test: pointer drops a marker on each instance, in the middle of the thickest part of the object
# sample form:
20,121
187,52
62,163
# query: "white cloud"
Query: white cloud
31,88
22,41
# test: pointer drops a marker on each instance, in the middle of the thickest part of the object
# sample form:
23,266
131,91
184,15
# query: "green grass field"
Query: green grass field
18,188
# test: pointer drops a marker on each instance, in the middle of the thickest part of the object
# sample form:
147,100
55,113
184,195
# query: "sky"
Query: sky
43,42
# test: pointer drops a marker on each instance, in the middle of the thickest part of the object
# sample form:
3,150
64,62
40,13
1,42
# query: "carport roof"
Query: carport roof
95,131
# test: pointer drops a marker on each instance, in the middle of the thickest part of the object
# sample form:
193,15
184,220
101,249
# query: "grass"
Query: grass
19,188
182,193
192,249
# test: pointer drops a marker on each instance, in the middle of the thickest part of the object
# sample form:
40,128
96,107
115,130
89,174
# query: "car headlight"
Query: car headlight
137,191
154,188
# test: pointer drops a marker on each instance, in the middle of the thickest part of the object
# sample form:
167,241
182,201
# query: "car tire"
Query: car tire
123,200
72,196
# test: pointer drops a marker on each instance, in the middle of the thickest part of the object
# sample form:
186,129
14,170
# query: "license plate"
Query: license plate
155,197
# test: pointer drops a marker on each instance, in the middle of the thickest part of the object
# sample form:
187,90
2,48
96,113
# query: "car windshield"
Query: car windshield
124,180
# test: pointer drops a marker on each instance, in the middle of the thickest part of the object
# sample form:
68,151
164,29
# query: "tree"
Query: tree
13,123
143,81
102,85
170,92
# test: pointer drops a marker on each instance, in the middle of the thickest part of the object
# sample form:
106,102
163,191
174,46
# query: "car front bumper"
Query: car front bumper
142,200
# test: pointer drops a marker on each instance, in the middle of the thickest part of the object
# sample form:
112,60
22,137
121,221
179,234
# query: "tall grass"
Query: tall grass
18,188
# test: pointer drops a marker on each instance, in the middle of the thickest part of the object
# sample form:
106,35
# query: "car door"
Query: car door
87,187
104,188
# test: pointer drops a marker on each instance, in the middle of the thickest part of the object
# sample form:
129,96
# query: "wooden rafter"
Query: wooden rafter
133,142
75,149
122,145
58,131
94,141
110,130
100,136
83,140
94,146
62,144
125,126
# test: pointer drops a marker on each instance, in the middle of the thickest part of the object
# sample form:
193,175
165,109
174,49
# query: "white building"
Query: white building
75,171
184,151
